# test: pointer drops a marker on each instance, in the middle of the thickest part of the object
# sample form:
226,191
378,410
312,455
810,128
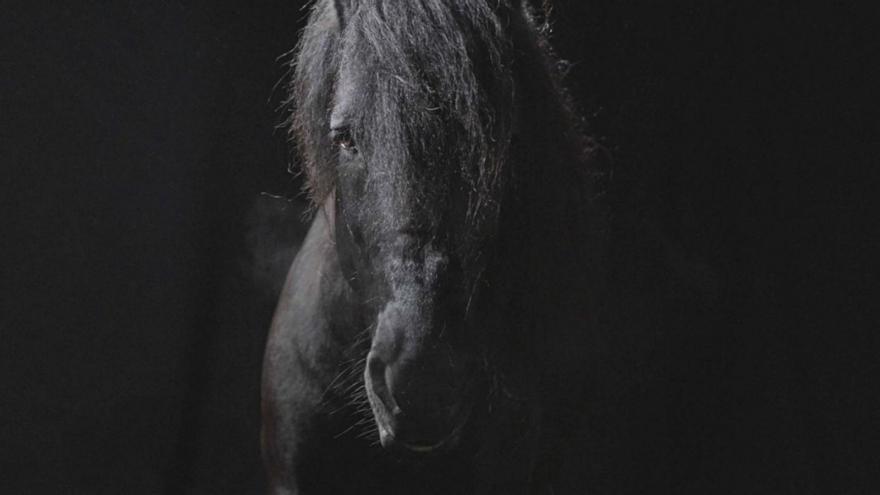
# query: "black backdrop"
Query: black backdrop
140,260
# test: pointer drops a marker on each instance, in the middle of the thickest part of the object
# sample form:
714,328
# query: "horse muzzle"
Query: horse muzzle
420,406
417,387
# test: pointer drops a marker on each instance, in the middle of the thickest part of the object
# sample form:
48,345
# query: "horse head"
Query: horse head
406,115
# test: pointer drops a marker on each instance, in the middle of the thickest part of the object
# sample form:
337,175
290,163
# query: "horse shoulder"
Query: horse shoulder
304,349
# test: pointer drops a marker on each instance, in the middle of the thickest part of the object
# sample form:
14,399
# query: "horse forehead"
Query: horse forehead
367,90
417,58
344,99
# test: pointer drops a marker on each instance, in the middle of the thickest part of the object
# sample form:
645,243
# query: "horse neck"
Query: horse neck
551,235
552,229
547,277
554,190
554,176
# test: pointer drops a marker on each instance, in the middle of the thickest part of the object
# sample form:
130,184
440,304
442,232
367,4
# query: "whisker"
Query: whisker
344,432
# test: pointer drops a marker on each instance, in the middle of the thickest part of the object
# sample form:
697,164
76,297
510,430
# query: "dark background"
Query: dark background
139,261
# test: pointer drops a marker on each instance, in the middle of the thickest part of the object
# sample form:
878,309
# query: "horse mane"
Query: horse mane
454,72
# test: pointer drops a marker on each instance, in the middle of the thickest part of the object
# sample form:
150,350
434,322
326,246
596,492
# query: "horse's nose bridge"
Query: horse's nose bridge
412,254
417,279
404,328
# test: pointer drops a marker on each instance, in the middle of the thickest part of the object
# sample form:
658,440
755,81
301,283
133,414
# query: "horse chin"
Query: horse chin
420,449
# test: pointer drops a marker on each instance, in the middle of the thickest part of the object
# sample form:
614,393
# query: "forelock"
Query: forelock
434,83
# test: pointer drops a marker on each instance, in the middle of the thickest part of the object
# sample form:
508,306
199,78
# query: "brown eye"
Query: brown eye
342,139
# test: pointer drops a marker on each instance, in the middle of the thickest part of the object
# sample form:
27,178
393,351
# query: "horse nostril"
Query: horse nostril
423,390
377,379
417,403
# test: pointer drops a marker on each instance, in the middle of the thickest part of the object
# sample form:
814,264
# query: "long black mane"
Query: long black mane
469,82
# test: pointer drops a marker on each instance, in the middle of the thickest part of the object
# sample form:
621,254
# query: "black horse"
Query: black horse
445,303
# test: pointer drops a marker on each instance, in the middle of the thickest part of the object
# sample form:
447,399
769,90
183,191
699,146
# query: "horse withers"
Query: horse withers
433,335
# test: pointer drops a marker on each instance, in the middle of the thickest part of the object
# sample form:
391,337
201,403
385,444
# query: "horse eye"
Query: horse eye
342,139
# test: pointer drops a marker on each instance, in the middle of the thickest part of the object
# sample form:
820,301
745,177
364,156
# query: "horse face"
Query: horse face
415,184
406,243
405,110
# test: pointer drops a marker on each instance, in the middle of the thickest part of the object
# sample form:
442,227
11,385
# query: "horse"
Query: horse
439,329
